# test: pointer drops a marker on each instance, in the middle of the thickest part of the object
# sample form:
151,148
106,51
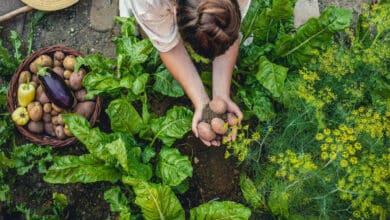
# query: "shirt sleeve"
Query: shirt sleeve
157,18
244,7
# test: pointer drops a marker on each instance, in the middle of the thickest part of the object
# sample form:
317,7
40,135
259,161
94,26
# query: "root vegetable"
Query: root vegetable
59,120
24,77
42,61
48,127
34,84
46,117
54,113
59,55
232,119
47,107
67,131
219,126
85,109
59,130
56,108
35,111
59,71
218,106
42,98
35,126
69,62
76,79
205,131
57,63
80,95
67,74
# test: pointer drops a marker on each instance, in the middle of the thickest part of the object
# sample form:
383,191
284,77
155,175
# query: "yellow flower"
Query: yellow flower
272,159
327,131
333,155
343,163
353,160
319,136
324,155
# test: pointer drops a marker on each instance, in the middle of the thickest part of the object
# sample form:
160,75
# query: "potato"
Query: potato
84,109
47,107
219,126
67,131
67,74
54,113
34,78
59,71
48,127
69,62
218,106
24,77
35,84
76,79
80,95
43,99
54,120
59,120
59,55
42,61
57,63
35,111
46,117
35,126
56,108
232,119
205,131
59,130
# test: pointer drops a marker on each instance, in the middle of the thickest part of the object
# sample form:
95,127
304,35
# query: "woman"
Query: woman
211,27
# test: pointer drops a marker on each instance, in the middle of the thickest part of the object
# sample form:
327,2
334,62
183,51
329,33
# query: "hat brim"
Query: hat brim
49,5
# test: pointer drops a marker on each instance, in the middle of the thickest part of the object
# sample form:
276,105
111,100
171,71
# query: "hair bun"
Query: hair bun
209,26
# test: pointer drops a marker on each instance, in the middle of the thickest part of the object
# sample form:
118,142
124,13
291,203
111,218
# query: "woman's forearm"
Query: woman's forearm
223,69
180,65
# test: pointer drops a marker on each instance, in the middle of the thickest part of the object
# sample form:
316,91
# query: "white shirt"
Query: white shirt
158,19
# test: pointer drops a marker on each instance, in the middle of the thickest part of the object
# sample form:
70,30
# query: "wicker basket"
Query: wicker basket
44,140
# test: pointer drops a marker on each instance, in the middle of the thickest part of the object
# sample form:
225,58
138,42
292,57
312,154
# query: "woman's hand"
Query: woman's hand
234,109
195,121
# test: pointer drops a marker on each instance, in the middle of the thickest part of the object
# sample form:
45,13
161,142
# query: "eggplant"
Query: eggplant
56,90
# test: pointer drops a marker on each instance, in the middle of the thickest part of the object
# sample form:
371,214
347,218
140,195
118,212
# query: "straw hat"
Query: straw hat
49,5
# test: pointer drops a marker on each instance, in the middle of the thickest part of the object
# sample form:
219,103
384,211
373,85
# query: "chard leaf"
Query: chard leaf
98,83
124,117
156,201
250,193
312,37
172,167
258,103
220,210
80,169
137,169
174,125
118,202
136,52
118,150
271,76
139,84
92,138
166,84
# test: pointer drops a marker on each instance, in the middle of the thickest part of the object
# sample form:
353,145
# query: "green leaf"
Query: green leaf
250,193
92,138
139,84
156,201
174,125
220,210
118,150
118,202
271,76
80,169
124,117
166,84
312,37
60,200
173,168
258,103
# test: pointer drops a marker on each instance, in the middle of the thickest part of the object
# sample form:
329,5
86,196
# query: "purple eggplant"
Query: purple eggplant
56,89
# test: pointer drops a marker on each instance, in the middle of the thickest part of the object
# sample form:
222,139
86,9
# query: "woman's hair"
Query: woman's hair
209,26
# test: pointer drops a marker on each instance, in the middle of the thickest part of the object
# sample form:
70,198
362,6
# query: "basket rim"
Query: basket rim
45,140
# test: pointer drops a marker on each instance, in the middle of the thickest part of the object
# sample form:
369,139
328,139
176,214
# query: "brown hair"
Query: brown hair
209,26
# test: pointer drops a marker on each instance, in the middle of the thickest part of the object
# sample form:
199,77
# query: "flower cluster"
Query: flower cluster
244,140
366,185
366,120
340,145
292,166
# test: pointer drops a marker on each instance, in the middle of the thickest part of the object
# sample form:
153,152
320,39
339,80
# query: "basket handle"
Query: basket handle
14,13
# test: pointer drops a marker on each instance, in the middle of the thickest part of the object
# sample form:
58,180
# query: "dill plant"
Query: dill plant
328,154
